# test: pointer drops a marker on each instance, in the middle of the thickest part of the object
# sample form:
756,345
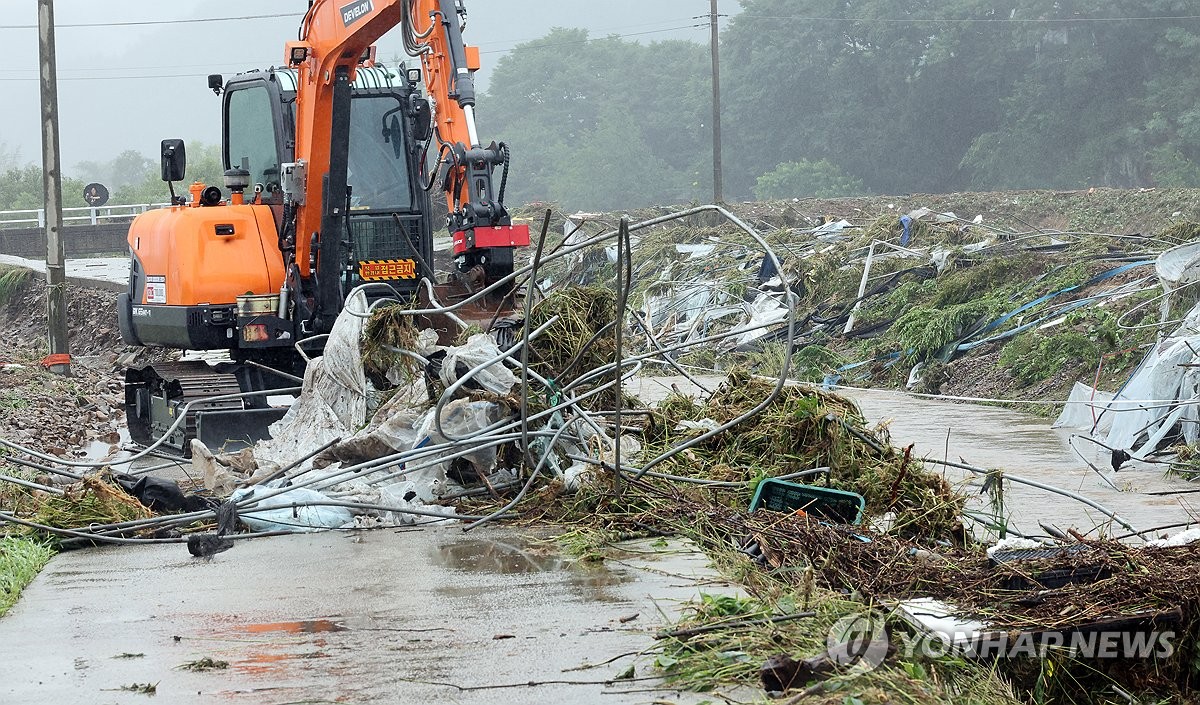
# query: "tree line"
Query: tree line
837,97
131,177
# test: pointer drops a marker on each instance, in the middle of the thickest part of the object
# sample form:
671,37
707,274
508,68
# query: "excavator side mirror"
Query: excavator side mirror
422,116
174,160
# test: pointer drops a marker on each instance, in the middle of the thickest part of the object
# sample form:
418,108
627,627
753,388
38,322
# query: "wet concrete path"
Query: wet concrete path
382,616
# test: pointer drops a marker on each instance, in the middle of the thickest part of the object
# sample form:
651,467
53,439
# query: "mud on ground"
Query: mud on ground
64,416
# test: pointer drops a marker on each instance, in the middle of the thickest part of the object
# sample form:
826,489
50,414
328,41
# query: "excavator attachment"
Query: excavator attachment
496,314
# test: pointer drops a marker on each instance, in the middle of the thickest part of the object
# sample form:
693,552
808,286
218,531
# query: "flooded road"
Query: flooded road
1026,446
1020,444
416,616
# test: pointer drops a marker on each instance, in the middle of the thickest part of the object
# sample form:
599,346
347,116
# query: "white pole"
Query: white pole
862,288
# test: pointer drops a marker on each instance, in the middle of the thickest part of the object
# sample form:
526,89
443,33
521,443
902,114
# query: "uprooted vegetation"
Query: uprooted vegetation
1056,303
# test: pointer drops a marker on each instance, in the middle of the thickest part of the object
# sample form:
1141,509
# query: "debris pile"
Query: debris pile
391,428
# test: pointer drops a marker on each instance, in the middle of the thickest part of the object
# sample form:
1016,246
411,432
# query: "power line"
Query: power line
965,20
143,23
492,51
593,39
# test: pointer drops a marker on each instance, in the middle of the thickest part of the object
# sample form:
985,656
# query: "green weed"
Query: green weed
11,280
20,561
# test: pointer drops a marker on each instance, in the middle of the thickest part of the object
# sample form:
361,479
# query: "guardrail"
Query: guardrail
36,218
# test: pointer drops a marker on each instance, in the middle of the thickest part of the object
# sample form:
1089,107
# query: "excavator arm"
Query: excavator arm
335,38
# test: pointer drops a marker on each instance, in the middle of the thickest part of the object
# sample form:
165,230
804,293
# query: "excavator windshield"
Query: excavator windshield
379,160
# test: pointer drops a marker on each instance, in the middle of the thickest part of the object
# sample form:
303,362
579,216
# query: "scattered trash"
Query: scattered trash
806,500
1182,538
294,510
143,688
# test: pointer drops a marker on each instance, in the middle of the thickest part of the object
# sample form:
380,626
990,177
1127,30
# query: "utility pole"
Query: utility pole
718,181
59,360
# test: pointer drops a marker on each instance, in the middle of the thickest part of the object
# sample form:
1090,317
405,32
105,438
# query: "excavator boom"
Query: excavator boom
335,39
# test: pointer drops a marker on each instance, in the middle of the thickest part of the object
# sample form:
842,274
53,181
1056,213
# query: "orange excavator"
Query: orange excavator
330,161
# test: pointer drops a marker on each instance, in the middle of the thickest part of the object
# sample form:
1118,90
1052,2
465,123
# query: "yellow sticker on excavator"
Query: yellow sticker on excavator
376,270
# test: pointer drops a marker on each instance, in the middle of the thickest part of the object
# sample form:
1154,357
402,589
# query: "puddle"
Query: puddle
513,557
516,556
273,663
306,626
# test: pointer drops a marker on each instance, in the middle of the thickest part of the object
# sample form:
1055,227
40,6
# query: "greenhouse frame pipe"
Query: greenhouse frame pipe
1041,486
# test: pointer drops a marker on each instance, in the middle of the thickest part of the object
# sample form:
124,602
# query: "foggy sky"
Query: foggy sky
106,108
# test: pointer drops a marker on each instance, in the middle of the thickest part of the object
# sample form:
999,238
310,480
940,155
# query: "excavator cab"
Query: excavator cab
389,217
211,274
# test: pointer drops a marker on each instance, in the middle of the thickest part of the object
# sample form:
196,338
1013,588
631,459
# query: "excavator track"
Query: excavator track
156,394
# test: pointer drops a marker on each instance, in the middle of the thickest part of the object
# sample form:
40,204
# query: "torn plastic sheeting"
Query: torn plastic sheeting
701,425
684,301
460,418
1138,427
406,495
1013,543
765,310
389,431
939,620
1182,538
333,399
478,350
160,494
940,257
278,513
831,228
695,252
947,217
1085,409
1179,265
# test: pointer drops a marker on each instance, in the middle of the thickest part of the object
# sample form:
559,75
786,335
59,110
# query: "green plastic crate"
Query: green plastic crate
833,505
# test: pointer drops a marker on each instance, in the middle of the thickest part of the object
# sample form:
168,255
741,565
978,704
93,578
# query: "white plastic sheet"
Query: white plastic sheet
1159,402
459,418
333,400
1084,410
479,348
278,513
766,309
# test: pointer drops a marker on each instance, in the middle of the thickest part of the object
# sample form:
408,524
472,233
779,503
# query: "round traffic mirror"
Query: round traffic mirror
96,195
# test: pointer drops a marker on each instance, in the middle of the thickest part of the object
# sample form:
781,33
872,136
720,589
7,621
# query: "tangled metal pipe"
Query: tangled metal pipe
1041,486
